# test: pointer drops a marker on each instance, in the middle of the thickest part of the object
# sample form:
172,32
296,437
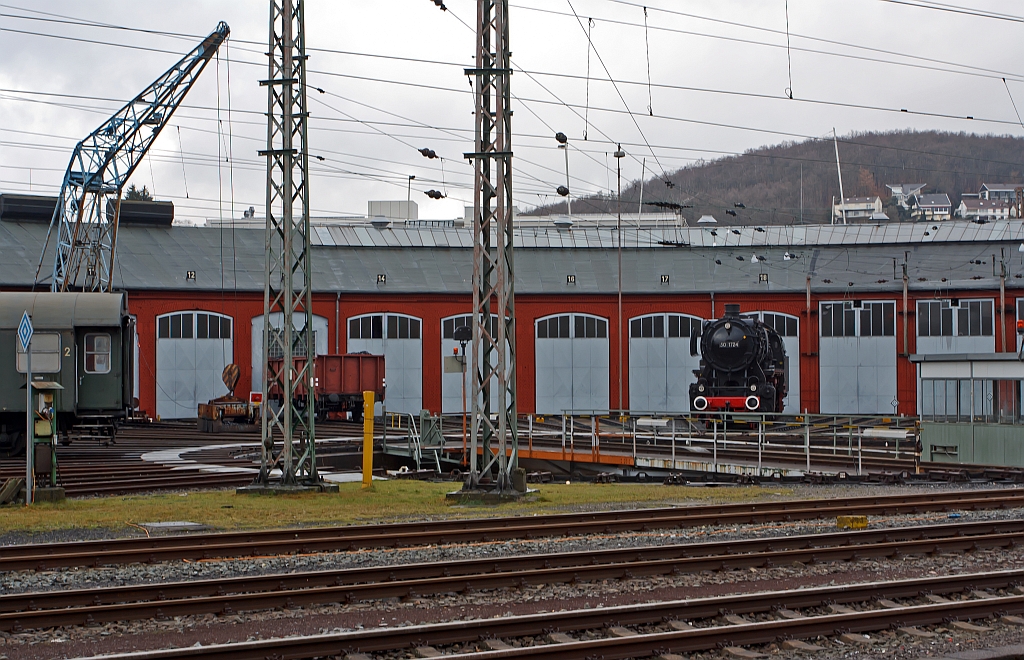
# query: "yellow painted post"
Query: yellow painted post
367,439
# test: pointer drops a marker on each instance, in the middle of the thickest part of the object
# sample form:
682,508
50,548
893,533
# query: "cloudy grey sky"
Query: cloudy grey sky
392,73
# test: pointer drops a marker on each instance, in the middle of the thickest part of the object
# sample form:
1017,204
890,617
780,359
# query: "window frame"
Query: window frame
86,353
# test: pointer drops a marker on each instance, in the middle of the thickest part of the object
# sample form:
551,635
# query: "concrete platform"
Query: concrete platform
280,489
49,494
485,496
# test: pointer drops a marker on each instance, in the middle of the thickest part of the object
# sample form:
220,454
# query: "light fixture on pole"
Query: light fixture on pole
619,155
463,334
563,143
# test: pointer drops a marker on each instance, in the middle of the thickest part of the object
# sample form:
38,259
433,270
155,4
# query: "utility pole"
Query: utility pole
408,199
1002,295
288,287
842,195
619,155
493,265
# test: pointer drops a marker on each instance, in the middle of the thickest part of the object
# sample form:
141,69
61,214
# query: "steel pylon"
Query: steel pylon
101,165
494,356
288,408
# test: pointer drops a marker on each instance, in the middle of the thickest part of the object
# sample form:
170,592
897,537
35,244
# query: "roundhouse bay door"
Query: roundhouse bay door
192,349
660,364
788,327
572,363
398,338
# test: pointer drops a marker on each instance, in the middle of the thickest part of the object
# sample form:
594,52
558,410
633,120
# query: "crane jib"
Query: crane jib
102,163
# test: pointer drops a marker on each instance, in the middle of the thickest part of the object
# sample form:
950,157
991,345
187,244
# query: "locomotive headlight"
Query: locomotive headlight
753,388
700,388
753,402
700,403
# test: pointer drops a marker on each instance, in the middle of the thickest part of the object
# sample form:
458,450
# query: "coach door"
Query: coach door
571,363
660,364
99,368
192,349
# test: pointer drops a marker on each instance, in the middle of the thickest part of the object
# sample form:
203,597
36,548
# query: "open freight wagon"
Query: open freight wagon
339,382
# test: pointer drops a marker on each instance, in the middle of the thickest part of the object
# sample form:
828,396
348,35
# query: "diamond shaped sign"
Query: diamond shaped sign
25,331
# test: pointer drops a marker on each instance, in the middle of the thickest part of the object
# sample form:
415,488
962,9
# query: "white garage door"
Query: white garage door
660,364
789,328
857,357
398,338
451,388
571,363
192,349
298,322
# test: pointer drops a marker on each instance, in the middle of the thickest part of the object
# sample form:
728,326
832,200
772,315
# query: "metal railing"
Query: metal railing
879,440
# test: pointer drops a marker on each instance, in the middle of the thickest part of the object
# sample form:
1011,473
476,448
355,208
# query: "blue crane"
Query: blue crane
101,165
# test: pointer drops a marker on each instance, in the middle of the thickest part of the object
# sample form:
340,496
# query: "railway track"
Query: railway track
329,539
228,595
664,627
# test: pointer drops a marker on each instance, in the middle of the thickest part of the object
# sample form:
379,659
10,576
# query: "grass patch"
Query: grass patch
388,501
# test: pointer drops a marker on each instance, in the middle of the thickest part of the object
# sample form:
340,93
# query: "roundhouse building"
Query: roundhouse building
835,293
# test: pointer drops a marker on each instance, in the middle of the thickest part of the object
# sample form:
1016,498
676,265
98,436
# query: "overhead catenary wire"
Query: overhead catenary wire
1013,103
789,56
181,150
618,91
529,101
647,47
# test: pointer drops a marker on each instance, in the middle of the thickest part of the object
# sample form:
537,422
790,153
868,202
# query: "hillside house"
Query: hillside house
1006,192
984,209
932,207
902,192
856,208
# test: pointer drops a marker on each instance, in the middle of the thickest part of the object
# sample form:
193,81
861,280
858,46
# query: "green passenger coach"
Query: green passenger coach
83,341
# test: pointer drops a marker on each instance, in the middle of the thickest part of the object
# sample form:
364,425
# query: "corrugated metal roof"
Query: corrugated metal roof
58,311
160,257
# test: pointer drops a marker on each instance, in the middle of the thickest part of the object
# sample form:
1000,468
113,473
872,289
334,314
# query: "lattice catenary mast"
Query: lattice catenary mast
288,283
101,165
494,344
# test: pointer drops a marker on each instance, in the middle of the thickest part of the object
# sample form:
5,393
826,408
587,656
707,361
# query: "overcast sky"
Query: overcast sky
412,93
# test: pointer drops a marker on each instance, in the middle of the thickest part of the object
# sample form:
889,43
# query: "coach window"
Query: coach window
97,353
45,354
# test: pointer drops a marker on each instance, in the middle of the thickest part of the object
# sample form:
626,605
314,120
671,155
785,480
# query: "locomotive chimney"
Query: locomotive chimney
732,310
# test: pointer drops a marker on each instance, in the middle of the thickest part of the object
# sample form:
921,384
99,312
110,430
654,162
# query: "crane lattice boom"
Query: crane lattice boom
101,165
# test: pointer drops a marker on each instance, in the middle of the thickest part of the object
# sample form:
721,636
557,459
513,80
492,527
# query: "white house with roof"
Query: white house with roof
1004,191
984,209
904,191
933,207
856,208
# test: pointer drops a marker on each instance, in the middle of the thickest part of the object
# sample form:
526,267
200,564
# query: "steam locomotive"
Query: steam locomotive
742,366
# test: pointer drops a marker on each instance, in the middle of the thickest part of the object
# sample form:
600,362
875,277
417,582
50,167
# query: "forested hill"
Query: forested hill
767,181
